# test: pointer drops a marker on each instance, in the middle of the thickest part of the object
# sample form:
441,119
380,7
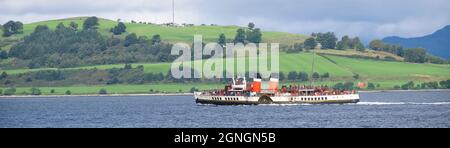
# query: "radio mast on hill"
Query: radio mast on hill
173,12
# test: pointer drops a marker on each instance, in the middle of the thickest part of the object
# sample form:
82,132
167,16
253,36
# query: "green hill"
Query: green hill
169,34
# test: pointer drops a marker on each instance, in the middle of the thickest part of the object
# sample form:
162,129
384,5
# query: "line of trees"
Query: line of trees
327,40
379,45
68,47
350,43
294,76
246,35
126,75
413,55
445,84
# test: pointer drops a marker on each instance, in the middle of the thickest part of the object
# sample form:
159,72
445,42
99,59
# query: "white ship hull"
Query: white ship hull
286,99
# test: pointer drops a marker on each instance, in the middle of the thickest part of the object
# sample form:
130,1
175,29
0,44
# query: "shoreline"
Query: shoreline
96,95
187,94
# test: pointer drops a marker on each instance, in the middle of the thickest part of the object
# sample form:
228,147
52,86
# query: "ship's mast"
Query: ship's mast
312,68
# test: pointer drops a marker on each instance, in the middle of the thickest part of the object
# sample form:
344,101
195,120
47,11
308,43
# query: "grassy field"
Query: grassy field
393,71
339,67
121,89
367,53
383,73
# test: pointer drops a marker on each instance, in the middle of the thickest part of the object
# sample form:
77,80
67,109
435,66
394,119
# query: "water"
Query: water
383,109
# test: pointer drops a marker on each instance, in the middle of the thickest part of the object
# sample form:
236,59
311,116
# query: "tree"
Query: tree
127,66
240,36
325,75
130,39
119,29
360,47
350,43
222,40
254,36
281,76
12,27
415,55
297,47
302,76
193,89
327,40
156,39
340,45
90,23
376,45
370,86
60,26
73,25
40,28
9,91
356,76
407,86
3,75
445,84
354,43
344,43
310,43
292,76
315,75
251,25
3,54
35,91
102,91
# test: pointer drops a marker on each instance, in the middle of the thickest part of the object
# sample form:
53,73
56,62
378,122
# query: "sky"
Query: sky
368,19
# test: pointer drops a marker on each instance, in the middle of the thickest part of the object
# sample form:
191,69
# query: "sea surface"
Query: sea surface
376,109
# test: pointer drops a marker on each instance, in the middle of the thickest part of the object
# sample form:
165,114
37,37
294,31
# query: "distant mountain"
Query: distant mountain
437,43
